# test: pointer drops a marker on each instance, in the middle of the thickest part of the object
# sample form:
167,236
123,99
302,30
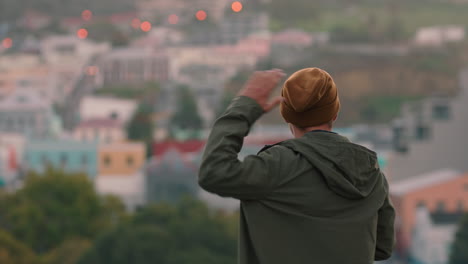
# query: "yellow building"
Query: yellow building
119,159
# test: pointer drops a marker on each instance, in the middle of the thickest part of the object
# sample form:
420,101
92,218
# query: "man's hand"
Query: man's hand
260,86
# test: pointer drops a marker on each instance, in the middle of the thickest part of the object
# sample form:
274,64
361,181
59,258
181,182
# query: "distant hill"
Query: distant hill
11,10
360,15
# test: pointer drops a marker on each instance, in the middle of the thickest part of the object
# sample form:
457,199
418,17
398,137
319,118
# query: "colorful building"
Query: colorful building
120,158
11,150
69,155
24,112
121,172
443,191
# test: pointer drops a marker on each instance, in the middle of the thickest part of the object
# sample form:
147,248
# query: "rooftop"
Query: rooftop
423,181
100,123
190,146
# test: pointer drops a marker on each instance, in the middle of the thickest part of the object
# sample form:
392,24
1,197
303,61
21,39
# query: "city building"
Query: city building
103,107
102,130
170,177
430,135
433,236
69,155
132,66
11,151
121,172
188,150
442,191
68,59
24,112
25,71
120,158
129,188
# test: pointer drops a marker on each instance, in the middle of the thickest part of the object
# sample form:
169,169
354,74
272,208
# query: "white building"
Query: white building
102,130
430,135
432,237
132,66
129,188
439,35
24,112
96,107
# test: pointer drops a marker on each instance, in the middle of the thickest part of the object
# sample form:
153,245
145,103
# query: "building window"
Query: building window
114,115
130,161
460,206
440,206
421,204
107,161
399,140
422,132
441,112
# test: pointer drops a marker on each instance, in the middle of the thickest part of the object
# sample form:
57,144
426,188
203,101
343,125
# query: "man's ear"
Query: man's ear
336,117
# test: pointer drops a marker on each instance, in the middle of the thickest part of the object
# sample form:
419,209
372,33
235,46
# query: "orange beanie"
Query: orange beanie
310,98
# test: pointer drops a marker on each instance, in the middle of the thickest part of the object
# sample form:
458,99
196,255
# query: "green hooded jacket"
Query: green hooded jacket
315,199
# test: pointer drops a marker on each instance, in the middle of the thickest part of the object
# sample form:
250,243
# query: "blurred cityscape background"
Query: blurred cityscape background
105,107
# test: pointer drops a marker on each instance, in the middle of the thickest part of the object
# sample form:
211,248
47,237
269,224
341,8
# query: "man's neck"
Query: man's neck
299,132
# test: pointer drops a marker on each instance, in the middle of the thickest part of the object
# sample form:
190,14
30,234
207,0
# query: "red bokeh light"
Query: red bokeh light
201,15
7,43
173,19
136,23
145,26
236,6
87,15
82,33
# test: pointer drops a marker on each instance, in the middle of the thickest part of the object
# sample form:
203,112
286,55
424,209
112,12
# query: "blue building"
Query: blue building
69,155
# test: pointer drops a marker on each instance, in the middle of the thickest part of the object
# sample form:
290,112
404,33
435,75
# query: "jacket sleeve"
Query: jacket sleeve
221,172
385,229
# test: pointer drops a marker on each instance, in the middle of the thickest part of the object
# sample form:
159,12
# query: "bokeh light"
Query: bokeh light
136,23
173,19
87,15
236,6
145,26
7,43
201,15
82,33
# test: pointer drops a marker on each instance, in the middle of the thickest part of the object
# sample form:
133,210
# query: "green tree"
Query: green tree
185,233
459,254
186,116
143,92
13,251
104,31
54,206
141,126
69,252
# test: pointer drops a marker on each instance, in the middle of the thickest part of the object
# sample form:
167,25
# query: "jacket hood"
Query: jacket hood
350,170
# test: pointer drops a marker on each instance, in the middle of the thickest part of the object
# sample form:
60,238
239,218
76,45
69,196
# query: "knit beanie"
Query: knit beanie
310,98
